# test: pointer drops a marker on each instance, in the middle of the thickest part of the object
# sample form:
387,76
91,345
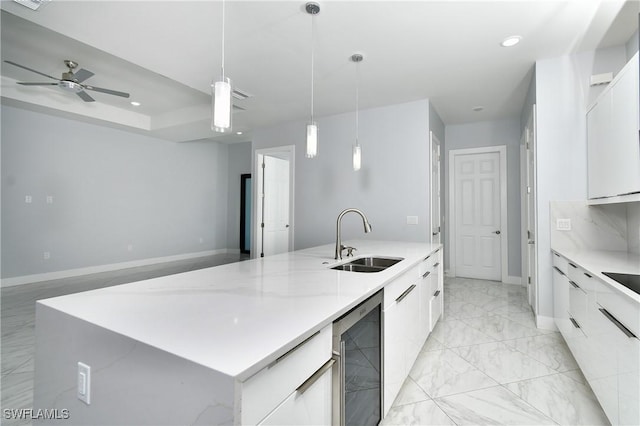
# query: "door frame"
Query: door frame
243,215
529,135
432,138
504,241
290,152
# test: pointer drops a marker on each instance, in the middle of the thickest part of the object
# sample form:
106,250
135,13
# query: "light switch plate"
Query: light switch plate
84,383
412,220
563,224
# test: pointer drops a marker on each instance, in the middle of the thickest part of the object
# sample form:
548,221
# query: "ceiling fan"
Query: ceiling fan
72,82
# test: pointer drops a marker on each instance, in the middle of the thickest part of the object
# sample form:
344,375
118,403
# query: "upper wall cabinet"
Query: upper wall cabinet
612,140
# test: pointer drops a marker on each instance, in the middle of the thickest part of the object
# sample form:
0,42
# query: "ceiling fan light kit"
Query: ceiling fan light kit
71,82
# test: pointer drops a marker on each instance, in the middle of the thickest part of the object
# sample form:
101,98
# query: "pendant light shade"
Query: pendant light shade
312,128
221,106
357,157
312,140
221,120
357,150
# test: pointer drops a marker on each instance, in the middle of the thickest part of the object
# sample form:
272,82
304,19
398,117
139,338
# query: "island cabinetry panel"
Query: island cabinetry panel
401,313
412,305
275,392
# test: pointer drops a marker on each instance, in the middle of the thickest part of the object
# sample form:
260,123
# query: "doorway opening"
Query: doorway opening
478,213
273,201
245,213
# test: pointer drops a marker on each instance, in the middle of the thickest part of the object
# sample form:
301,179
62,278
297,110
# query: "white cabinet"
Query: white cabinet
600,329
278,389
401,315
410,309
612,137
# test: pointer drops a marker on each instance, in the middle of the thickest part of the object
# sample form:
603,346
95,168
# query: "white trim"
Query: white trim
504,242
258,154
432,138
546,323
513,280
69,273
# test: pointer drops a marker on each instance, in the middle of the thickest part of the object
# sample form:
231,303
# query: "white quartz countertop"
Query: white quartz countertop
237,318
598,261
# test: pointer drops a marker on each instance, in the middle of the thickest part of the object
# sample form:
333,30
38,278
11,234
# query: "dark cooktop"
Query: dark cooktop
630,281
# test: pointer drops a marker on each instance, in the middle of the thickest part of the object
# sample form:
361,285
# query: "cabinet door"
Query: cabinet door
598,158
425,305
560,298
629,382
624,166
414,341
311,407
394,347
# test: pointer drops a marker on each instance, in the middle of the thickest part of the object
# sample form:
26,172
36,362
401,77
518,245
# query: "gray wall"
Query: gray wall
239,164
110,189
492,133
392,184
631,47
529,101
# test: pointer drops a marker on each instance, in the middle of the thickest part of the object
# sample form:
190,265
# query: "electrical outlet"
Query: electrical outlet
563,224
46,255
49,199
84,383
28,199
412,220
129,247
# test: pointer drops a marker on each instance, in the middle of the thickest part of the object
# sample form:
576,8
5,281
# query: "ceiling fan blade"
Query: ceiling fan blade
85,97
107,91
38,84
29,69
82,74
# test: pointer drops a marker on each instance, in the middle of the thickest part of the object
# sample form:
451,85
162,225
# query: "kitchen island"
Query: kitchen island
202,347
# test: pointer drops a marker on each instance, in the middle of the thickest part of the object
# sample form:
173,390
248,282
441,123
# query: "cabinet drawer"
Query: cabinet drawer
313,407
401,284
577,303
430,262
435,309
560,263
624,310
269,387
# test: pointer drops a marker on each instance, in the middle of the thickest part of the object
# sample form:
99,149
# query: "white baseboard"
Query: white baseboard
546,323
68,273
513,280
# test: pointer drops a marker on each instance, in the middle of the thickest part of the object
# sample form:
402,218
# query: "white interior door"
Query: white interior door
436,235
276,205
532,260
477,193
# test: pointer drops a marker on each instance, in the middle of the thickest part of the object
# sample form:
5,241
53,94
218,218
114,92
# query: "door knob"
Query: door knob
497,232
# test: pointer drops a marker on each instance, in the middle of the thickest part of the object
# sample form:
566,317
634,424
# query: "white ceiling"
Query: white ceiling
166,53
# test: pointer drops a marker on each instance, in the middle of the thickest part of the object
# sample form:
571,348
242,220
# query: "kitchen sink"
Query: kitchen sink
368,264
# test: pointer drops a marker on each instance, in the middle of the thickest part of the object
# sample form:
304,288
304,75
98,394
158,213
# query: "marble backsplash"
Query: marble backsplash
603,227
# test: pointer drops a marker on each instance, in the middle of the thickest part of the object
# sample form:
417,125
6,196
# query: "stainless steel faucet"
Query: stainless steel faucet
339,246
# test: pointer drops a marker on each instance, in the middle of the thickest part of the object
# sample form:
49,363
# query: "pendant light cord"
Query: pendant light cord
312,61
223,38
357,100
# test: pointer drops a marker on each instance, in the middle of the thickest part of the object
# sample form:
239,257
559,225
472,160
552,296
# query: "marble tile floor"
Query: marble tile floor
485,362
17,320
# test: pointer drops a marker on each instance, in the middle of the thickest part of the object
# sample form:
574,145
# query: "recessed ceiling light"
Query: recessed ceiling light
238,133
134,103
477,108
511,41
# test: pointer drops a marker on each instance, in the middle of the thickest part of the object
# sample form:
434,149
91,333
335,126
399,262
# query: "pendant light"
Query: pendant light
312,128
221,105
357,151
